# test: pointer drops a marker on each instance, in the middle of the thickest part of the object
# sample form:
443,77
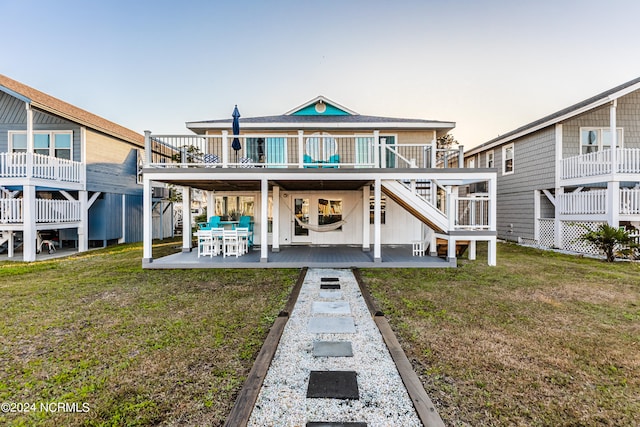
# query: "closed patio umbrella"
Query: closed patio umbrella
236,131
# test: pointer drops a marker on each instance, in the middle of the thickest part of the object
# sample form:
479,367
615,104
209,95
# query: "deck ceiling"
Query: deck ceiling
288,185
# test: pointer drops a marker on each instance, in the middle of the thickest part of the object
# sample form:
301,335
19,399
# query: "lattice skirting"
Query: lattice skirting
571,232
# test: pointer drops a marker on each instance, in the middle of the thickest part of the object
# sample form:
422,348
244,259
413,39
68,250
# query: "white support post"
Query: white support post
472,250
29,222
186,219
613,203
493,202
557,224
10,244
451,248
383,152
83,228
147,222
300,149
225,148
614,138
211,204
366,229
264,199
275,219
29,143
491,251
536,215
451,208
377,199
123,239
147,147
376,148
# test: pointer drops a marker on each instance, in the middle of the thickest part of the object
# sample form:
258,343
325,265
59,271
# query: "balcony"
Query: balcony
21,166
295,151
593,167
47,211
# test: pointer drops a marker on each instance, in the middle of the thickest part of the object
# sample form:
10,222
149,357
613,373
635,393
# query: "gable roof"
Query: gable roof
559,116
309,108
49,104
336,116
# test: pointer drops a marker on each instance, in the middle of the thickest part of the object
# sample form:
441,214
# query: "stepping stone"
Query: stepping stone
330,286
329,279
331,295
332,349
333,385
331,325
333,307
316,424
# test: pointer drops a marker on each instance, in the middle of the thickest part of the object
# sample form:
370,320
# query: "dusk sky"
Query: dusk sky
489,66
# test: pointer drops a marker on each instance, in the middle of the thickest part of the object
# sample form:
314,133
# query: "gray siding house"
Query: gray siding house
66,175
576,168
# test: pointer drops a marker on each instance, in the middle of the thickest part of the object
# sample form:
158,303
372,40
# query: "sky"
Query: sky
490,66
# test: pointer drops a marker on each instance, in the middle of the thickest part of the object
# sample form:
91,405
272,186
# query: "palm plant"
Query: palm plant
610,240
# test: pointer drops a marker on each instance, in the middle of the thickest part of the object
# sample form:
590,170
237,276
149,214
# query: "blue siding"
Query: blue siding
105,218
133,219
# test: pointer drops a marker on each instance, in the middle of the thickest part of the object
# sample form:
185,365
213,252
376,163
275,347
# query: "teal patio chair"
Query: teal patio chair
245,222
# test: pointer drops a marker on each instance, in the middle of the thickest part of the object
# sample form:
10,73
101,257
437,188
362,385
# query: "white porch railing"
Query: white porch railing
316,150
472,213
47,211
584,202
630,201
32,165
599,163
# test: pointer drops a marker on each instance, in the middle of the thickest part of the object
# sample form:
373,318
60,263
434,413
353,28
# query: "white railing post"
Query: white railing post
225,148
376,148
300,149
451,203
147,147
383,152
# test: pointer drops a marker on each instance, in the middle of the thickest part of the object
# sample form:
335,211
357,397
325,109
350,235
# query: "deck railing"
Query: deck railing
600,163
584,203
472,213
33,165
630,201
47,211
316,150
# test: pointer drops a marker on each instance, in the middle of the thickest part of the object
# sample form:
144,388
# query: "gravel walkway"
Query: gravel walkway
383,399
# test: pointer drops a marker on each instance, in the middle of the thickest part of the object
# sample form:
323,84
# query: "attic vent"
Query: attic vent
321,107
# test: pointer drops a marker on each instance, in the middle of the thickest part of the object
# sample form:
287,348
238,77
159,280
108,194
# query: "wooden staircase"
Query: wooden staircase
442,246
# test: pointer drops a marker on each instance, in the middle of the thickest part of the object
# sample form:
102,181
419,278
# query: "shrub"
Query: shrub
610,240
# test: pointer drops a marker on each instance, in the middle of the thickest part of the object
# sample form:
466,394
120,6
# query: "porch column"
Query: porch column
29,144
83,228
557,224
264,200
536,215
451,248
147,222
614,138
300,150
211,204
491,251
366,229
613,203
29,222
186,219
10,244
376,148
472,250
377,198
275,228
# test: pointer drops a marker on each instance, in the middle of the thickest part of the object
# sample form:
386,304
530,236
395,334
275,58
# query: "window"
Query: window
329,211
598,139
507,159
471,162
490,162
383,209
48,143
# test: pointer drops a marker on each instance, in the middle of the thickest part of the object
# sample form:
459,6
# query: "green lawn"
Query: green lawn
541,339
138,347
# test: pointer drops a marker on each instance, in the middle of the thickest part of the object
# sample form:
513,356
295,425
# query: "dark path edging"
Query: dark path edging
241,411
421,401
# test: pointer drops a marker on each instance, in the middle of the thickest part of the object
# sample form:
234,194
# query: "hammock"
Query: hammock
320,228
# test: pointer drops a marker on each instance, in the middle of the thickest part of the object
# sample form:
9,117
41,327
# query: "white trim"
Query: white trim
360,126
504,159
325,101
493,159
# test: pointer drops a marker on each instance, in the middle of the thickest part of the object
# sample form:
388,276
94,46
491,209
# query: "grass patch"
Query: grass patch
140,347
541,339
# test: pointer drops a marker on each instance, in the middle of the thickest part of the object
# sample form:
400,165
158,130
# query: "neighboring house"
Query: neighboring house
559,174
299,175
66,175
